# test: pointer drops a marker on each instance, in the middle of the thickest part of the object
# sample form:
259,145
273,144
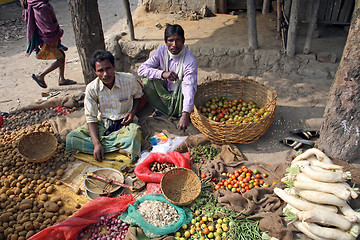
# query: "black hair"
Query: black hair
101,55
172,29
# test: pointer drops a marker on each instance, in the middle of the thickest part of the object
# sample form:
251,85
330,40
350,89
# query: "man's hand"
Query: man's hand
171,76
184,121
128,118
99,152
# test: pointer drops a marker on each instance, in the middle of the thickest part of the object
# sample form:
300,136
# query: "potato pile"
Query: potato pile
18,119
27,204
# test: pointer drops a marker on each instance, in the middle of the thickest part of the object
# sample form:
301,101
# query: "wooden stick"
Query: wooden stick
129,19
252,32
313,20
291,39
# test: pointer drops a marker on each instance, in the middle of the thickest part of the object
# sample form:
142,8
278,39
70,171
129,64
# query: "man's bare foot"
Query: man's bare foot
123,152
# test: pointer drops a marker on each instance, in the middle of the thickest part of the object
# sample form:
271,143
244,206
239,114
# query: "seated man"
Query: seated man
170,81
116,96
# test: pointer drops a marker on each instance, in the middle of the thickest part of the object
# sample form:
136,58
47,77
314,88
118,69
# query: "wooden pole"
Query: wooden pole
313,20
291,40
129,19
278,15
252,33
266,6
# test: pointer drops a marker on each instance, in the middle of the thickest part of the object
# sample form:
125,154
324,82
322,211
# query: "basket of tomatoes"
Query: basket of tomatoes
234,111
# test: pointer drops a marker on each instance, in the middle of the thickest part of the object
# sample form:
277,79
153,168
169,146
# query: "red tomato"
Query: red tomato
261,182
257,176
203,175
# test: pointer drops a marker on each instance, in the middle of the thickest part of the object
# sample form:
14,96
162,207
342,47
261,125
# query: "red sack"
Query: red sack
88,214
143,172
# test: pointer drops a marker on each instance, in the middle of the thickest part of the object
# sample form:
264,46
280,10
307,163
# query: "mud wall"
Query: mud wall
178,5
130,55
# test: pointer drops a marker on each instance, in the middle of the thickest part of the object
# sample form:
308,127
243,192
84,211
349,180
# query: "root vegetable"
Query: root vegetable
350,214
353,193
328,233
325,217
332,188
321,198
300,204
311,152
302,228
323,175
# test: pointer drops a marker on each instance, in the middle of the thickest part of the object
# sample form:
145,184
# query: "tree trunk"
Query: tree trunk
291,39
88,31
252,33
313,20
340,132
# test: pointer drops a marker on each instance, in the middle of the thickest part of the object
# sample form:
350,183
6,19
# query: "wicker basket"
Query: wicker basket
37,147
180,186
245,88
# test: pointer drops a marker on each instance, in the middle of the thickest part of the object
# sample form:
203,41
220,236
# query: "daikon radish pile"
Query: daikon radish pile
317,196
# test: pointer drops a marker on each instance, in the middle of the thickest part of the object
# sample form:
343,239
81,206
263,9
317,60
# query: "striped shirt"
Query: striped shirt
112,104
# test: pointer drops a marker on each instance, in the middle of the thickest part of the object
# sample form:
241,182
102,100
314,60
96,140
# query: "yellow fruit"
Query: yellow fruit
203,226
192,231
219,221
210,235
205,218
184,226
187,234
217,238
211,228
178,234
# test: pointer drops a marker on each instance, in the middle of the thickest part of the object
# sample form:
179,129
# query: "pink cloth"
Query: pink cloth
88,214
155,65
40,16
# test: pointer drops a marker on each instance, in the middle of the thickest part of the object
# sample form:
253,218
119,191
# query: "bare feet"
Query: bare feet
123,152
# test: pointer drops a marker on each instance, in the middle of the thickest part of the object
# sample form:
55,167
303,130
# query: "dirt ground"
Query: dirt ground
301,99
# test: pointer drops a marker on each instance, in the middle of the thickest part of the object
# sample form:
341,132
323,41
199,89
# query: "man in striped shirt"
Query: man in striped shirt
111,101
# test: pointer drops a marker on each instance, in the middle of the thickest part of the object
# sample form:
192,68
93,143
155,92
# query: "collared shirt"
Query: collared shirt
155,65
112,104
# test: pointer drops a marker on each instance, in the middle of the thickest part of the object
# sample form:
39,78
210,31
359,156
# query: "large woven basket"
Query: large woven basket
37,146
245,88
180,186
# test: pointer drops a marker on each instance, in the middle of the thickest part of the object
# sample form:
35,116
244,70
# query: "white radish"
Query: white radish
350,214
323,175
304,178
321,198
300,204
302,228
317,163
333,188
313,151
325,217
328,233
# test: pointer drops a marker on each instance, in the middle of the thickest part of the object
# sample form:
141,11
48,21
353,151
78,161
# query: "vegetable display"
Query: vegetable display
107,228
201,153
243,180
236,111
211,221
317,196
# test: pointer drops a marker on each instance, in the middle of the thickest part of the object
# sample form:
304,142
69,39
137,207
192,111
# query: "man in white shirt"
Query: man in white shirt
111,101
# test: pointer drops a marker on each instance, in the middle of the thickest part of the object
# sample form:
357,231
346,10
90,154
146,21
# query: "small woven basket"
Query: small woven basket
180,186
245,88
37,147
